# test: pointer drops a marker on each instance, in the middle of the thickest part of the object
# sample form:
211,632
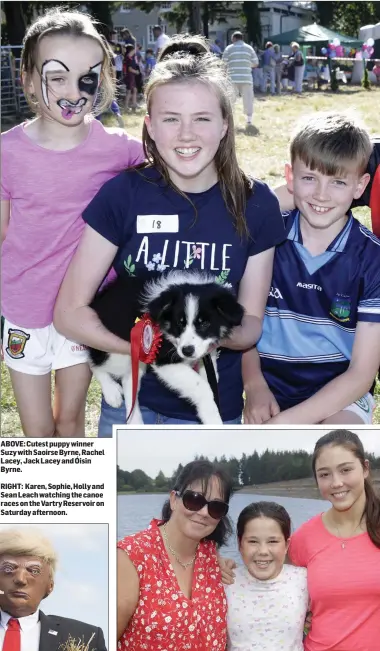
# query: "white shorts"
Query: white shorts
38,351
364,408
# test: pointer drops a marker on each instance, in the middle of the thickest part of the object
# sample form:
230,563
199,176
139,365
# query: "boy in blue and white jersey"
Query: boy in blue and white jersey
320,348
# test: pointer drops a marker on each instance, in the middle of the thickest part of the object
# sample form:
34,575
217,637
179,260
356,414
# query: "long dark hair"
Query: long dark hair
352,442
270,510
182,67
204,471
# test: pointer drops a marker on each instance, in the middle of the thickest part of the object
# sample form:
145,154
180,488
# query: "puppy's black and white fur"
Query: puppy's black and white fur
193,313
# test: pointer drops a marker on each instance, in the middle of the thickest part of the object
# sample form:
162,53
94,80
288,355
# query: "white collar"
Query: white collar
26,623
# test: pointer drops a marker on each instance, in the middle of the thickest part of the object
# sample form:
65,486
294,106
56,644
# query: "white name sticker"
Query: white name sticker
157,224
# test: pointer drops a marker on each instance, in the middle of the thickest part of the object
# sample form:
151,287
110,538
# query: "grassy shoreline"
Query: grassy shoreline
299,488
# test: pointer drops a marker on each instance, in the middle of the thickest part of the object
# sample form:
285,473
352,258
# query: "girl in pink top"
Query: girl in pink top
170,595
52,167
341,550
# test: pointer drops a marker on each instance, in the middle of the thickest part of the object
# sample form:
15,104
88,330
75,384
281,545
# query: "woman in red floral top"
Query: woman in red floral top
170,595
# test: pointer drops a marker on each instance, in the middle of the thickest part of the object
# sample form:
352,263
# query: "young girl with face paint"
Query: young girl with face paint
52,167
268,601
191,207
341,549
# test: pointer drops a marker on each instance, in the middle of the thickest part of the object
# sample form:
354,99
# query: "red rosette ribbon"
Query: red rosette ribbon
146,339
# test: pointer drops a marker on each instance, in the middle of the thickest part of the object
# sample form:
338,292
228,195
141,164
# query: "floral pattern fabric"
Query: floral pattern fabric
267,615
165,619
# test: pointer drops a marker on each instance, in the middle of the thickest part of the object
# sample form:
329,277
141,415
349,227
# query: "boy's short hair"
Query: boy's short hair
149,51
331,143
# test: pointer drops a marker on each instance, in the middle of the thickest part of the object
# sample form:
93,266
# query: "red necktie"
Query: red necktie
12,639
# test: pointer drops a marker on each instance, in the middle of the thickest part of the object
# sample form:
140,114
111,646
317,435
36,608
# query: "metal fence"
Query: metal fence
13,102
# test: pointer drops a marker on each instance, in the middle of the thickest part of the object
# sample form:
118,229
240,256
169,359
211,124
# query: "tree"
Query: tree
123,479
251,15
140,480
16,22
194,17
19,15
348,17
161,482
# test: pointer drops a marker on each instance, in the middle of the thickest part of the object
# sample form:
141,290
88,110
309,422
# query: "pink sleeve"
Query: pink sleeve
133,153
296,551
5,185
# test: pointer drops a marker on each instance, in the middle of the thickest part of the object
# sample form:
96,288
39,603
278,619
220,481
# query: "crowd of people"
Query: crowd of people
133,65
304,269
176,590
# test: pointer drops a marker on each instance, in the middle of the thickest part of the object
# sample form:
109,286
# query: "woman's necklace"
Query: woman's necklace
174,553
343,542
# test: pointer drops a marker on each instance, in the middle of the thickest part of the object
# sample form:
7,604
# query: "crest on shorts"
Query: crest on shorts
363,404
341,307
16,343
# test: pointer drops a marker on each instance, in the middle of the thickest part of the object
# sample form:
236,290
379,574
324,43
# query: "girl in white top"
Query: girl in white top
268,601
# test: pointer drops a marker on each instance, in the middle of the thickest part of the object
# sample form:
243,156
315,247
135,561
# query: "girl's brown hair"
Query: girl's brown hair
270,510
352,442
182,67
70,23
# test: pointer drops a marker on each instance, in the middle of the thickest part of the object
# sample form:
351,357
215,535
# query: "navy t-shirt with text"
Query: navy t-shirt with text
156,229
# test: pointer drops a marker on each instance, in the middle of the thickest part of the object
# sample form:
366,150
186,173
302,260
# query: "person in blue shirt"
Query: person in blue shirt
189,207
320,348
150,62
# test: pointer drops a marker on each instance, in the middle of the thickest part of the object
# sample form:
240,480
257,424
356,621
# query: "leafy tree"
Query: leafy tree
19,15
123,477
244,472
251,15
161,482
176,474
193,17
140,480
348,17
270,466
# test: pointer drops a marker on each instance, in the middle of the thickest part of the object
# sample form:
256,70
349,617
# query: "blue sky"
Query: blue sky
81,580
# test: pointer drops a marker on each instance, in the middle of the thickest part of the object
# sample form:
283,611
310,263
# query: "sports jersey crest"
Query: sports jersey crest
16,343
341,308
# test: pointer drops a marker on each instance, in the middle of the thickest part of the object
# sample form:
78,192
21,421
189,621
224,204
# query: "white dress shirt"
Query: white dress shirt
30,630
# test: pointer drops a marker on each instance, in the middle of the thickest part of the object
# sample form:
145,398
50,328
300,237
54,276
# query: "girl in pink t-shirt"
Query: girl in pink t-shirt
341,550
52,167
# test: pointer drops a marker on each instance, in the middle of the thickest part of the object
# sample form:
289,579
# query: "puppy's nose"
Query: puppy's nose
188,351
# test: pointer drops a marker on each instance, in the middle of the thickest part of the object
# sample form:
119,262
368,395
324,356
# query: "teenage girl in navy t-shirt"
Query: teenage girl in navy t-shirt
190,207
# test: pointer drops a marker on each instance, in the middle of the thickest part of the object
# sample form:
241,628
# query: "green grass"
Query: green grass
262,152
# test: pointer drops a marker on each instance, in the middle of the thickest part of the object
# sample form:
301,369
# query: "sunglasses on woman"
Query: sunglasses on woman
193,501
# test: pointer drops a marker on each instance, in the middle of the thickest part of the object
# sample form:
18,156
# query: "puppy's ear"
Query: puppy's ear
228,307
161,307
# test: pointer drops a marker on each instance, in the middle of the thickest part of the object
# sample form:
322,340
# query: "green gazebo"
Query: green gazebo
314,35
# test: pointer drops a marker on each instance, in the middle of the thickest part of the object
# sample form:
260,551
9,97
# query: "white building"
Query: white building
276,17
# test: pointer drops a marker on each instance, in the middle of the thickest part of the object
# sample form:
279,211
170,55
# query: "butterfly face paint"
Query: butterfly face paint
55,76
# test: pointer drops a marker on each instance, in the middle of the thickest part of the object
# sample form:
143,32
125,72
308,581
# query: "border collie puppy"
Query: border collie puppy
193,313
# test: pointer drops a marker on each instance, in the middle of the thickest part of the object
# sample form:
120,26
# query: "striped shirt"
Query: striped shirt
314,306
240,58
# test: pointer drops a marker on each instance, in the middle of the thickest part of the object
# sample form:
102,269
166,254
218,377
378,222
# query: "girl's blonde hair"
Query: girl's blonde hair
70,23
20,542
205,68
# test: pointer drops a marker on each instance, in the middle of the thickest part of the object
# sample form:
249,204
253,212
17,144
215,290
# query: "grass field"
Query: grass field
262,152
